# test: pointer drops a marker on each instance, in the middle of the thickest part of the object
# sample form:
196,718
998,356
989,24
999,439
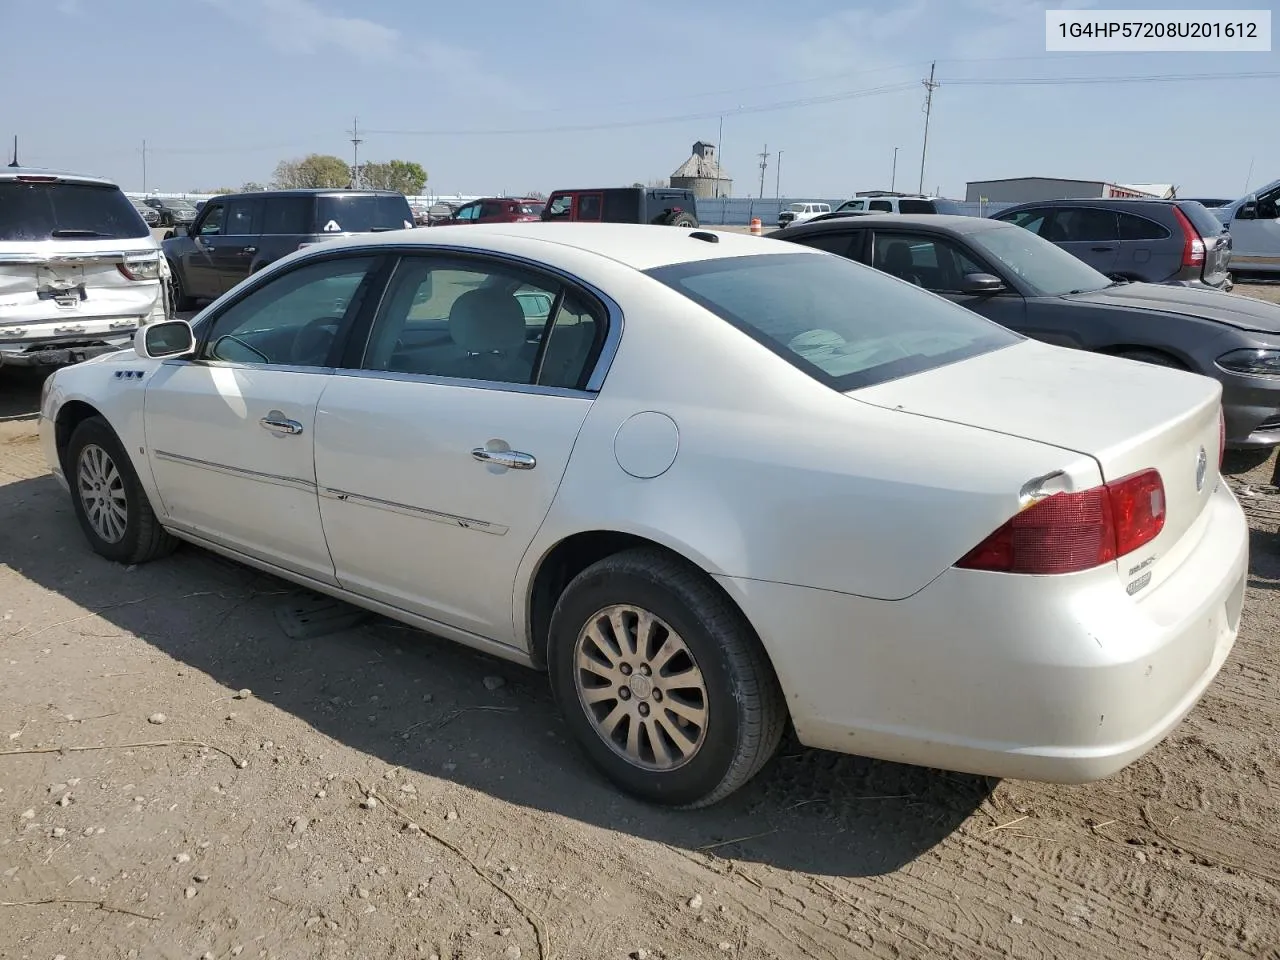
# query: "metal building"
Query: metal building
702,174
1029,189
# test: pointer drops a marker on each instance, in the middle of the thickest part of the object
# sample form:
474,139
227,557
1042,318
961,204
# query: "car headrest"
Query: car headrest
487,320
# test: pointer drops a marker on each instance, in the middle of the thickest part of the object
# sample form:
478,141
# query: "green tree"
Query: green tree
316,170
404,176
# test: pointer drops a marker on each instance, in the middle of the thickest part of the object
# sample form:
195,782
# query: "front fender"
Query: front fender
115,386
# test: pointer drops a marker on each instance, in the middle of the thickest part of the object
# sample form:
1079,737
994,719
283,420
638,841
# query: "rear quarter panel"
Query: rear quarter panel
777,477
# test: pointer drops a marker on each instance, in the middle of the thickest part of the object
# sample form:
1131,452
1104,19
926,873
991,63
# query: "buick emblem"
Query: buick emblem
1202,467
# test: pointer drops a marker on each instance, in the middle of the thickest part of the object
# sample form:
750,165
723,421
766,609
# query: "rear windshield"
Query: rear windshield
362,214
1201,218
841,322
67,211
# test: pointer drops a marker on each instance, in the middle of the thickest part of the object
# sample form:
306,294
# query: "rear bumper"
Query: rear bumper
1063,679
46,355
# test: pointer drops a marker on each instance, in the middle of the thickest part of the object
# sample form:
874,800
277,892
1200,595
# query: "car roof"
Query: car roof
1088,201
945,223
640,246
14,173
312,192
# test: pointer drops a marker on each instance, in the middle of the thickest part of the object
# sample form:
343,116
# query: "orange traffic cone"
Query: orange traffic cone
756,230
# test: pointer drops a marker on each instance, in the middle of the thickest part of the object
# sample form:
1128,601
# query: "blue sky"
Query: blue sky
224,89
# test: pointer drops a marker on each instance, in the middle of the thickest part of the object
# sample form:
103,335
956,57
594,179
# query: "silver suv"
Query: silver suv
79,269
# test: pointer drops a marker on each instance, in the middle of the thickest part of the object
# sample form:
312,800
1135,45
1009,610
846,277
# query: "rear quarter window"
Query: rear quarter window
844,324
362,213
916,206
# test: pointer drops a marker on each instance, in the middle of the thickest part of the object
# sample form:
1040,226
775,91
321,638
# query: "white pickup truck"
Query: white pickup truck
800,212
79,268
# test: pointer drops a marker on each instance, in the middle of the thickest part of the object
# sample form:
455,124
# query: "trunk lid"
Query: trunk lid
66,283
1127,416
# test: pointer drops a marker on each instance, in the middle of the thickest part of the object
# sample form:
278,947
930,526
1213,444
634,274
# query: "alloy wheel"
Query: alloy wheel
101,489
641,688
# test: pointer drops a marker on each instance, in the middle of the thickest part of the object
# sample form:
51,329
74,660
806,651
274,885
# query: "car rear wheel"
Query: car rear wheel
662,680
683,219
108,498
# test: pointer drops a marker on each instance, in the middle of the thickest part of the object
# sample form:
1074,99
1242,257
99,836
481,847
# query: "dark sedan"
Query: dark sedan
1029,285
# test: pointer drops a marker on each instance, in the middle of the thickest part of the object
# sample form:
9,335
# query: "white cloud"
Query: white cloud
300,26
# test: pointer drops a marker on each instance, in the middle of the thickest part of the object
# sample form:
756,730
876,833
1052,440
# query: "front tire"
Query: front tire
662,680
108,498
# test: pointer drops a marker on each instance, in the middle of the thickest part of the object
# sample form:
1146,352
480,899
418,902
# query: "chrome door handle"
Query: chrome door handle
249,250
505,458
281,425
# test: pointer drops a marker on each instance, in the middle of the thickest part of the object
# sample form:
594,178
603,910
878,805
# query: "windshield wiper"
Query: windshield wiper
78,233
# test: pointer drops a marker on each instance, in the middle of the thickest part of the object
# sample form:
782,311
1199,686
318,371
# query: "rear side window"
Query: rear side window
589,205
241,219
362,213
842,323
1133,227
67,211
286,215
1082,225
884,206
1201,218
916,206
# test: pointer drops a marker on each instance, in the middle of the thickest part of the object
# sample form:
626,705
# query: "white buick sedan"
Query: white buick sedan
715,485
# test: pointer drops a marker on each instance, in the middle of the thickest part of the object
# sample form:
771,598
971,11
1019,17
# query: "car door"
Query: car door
237,243
199,270
439,450
1255,233
491,211
1087,233
939,263
230,431
1148,251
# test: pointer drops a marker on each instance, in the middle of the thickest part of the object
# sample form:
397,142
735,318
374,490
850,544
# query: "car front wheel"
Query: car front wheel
662,680
108,498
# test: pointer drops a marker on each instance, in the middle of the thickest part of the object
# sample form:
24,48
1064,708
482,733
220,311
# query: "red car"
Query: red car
497,210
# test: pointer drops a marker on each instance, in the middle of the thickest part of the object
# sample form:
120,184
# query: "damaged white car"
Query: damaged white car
79,268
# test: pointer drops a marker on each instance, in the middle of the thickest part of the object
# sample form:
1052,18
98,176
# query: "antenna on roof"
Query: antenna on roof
14,162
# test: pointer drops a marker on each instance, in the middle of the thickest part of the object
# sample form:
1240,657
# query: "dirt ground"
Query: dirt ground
180,779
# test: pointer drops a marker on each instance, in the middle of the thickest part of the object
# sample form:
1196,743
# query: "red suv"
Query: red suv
496,210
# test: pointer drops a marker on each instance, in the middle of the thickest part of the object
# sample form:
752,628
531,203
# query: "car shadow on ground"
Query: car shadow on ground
20,392
425,704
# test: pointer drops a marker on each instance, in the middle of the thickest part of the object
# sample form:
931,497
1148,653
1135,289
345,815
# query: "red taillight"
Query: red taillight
1070,532
1192,245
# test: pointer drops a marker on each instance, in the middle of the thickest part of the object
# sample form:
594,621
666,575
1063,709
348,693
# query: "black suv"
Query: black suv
663,205
239,234
1151,241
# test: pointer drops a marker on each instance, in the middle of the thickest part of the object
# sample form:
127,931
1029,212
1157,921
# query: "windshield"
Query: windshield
1047,269
362,213
842,323
46,211
531,209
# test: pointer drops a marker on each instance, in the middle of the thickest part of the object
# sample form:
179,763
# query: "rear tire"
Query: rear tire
662,680
683,219
108,498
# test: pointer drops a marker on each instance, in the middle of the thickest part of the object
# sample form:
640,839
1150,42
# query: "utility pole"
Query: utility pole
144,166
893,177
15,153
929,86
355,152
777,185
764,165
719,154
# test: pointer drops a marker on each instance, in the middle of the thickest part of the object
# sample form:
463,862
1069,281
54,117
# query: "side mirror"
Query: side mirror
1248,210
981,284
168,338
